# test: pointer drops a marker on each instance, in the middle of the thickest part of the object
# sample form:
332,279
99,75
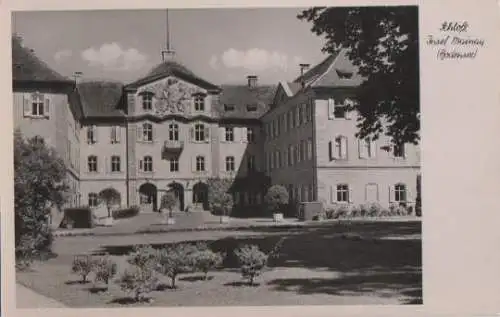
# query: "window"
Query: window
199,103
272,160
92,163
273,129
278,125
298,116
229,107
366,148
230,163
174,165
229,134
251,163
93,200
147,101
37,105
307,109
342,193
39,140
200,163
301,114
290,155
147,132
147,165
278,159
173,132
91,134
251,108
309,149
399,150
199,132
340,111
338,148
115,134
400,193
115,163
251,135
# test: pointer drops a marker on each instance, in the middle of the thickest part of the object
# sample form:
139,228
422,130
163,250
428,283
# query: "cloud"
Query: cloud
214,62
256,59
61,55
113,57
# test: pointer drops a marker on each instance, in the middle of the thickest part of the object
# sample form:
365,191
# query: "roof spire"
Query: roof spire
168,53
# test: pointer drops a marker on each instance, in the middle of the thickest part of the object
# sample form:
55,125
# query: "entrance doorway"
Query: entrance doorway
148,194
178,190
200,195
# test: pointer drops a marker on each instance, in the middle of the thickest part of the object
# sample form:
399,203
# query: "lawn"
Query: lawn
326,264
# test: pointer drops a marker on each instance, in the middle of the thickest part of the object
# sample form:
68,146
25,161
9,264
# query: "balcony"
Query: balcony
173,146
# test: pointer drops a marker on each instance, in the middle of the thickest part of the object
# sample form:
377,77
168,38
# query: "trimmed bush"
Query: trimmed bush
78,217
139,281
104,269
169,201
126,212
83,266
252,261
276,198
205,260
175,260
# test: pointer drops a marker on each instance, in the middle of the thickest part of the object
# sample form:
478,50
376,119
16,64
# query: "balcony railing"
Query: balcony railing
173,146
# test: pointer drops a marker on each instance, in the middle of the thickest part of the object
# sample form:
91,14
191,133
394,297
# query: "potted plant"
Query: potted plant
221,202
110,197
275,199
226,204
168,202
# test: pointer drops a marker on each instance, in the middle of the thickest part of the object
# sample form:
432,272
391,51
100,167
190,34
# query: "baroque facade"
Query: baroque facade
172,130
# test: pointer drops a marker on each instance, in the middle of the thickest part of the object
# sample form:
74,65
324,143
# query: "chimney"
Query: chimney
252,81
303,69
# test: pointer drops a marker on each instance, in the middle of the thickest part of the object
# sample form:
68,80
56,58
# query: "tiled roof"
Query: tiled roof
172,68
101,98
26,66
243,98
336,70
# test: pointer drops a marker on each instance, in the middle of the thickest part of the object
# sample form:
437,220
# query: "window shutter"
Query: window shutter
107,166
405,155
193,163
330,150
351,200
96,130
244,135
112,133
222,131
391,194
207,134
362,148
140,134
331,108
26,105
343,147
373,149
118,132
46,110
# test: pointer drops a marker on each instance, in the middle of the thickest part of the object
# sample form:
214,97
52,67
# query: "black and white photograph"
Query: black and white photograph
217,157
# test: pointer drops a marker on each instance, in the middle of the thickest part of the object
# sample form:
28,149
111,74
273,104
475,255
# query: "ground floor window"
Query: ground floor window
93,200
342,193
400,193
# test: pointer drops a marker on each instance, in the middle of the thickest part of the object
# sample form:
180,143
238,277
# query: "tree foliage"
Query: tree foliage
219,198
110,197
169,201
39,184
276,198
383,43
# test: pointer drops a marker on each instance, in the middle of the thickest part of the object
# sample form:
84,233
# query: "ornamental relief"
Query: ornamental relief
171,96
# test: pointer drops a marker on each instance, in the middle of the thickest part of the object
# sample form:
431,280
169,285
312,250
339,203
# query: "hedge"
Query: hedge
77,217
126,212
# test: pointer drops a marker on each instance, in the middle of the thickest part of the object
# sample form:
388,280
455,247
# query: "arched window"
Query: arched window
93,200
148,164
173,131
92,163
400,193
147,131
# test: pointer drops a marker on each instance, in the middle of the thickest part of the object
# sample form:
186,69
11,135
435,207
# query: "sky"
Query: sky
222,46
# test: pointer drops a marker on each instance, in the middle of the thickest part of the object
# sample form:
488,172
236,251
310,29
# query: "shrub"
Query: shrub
39,183
104,269
83,266
418,200
126,212
205,259
138,281
276,198
175,260
342,211
169,202
78,217
143,256
109,196
252,261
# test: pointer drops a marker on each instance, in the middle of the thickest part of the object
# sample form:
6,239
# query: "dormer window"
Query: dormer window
36,105
344,74
228,107
199,102
251,108
147,101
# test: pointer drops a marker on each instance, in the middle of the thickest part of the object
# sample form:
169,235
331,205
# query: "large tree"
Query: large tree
383,43
39,183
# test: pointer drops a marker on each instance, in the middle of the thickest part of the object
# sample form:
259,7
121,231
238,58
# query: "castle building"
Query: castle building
172,131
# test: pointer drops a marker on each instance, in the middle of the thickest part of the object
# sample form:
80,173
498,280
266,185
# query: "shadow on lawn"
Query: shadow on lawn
368,263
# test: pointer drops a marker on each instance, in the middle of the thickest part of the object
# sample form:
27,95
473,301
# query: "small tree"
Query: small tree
252,261
219,199
39,183
176,260
169,202
276,198
205,260
110,197
104,269
83,266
